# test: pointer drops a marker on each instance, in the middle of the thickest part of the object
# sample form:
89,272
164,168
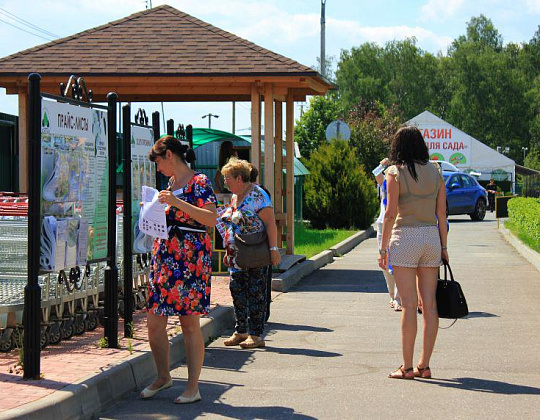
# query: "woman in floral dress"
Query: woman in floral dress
181,265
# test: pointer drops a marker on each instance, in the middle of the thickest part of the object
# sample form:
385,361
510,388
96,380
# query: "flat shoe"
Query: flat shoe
149,393
424,373
235,339
188,400
252,342
402,373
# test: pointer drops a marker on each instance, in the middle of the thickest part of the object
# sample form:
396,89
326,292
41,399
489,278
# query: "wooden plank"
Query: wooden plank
289,183
255,127
278,165
269,138
23,141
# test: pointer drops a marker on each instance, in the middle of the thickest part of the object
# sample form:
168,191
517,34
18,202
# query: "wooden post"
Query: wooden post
278,168
269,138
289,189
255,127
23,142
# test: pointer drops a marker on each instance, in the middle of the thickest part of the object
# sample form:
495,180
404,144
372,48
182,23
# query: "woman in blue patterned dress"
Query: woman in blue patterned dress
250,211
181,265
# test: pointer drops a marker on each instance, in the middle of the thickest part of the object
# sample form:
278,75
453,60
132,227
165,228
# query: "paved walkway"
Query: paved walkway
333,339
80,357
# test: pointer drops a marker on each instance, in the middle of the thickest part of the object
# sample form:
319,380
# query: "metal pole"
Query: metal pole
234,117
128,231
155,126
32,291
170,127
111,271
189,139
323,38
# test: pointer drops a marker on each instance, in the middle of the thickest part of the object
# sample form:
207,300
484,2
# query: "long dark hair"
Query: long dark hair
225,152
407,148
174,145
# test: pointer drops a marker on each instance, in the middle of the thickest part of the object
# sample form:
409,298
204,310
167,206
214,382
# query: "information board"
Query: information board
75,184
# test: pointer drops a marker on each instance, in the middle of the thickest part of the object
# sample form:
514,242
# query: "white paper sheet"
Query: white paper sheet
152,220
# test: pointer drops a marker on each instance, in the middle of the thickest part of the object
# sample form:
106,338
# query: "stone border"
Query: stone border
90,396
530,255
289,278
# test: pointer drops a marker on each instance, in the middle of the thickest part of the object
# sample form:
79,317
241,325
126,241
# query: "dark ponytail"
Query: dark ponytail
253,174
171,143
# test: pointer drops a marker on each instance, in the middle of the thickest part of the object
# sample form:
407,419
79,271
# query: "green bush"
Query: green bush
338,193
524,217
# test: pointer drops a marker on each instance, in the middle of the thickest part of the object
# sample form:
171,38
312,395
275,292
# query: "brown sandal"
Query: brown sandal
424,373
252,342
402,373
235,339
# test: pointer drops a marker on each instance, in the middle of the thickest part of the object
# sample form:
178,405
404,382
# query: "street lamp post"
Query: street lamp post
210,118
524,153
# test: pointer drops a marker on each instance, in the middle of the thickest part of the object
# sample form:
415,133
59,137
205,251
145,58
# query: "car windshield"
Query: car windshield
445,176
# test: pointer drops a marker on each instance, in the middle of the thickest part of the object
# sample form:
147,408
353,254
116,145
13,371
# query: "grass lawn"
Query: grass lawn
309,242
526,239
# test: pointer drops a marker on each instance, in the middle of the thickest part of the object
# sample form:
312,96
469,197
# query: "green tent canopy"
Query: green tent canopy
201,136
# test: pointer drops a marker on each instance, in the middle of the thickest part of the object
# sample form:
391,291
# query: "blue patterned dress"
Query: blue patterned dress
182,265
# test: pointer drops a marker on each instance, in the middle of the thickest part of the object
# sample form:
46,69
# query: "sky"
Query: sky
288,27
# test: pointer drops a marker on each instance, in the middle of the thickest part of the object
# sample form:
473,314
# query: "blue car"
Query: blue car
464,195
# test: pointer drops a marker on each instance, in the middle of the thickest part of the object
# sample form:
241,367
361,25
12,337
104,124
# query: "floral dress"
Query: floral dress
182,265
243,218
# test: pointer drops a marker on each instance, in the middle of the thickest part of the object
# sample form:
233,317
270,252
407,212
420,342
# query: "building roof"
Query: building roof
162,41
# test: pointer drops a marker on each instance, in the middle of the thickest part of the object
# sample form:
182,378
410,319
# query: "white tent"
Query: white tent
446,142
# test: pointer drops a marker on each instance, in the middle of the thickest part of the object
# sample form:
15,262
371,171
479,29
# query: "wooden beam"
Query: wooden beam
278,166
255,127
269,138
23,141
289,183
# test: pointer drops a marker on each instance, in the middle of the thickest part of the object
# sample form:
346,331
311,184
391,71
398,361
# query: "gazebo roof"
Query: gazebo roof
156,45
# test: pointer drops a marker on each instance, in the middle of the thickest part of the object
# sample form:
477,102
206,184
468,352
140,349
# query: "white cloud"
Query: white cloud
357,34
533,6
439,9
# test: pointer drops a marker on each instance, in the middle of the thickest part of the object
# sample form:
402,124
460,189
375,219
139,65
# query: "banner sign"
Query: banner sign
446,143
75,183
143,172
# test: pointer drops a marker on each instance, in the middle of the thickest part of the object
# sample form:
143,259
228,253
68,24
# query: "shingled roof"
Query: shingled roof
162,41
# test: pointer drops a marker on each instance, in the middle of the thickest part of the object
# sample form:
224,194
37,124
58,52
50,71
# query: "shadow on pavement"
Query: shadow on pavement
41,383
485,385
481,315
161,406
293,327
333,280
301,352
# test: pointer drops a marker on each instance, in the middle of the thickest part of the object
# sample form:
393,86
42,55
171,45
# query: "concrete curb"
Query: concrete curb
288,279
530,255
89,397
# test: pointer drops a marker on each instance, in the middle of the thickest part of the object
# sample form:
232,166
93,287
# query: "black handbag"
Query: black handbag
252,250
451,302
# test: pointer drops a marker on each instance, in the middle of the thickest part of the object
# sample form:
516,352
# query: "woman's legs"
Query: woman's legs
427,287
238,287
159,343
194,345
256,292
406,283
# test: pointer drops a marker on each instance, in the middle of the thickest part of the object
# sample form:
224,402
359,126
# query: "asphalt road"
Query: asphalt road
333,339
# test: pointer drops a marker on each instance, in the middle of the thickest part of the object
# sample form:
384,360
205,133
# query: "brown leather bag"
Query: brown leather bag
252,250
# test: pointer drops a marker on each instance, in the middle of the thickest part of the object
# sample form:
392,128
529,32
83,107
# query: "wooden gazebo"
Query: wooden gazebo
163,54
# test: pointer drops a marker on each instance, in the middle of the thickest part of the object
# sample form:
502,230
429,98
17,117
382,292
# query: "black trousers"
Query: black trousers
249,292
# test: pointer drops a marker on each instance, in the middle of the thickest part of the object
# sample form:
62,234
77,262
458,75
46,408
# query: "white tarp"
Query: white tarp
446,142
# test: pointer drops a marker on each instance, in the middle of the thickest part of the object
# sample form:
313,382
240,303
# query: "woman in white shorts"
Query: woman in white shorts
413,243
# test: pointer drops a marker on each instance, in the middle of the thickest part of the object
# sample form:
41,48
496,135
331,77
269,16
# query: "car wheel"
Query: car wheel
479,211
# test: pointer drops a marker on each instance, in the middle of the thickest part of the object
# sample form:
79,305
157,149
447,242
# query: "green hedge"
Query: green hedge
524,218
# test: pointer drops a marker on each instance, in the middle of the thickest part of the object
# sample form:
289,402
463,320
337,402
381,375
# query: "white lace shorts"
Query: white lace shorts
413,247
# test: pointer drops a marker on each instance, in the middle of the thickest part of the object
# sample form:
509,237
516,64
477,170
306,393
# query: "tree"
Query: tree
338,193
532,160
310,131
372,126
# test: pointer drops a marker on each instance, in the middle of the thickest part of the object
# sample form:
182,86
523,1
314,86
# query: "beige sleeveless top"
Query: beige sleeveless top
417,199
